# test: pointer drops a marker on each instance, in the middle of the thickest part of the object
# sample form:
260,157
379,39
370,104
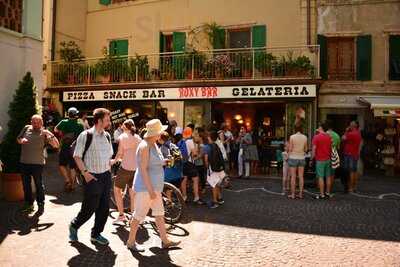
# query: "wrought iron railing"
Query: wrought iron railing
224,64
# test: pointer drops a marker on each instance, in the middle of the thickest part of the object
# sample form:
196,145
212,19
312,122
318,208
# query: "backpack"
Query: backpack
183,149
89,138
175,152
216,160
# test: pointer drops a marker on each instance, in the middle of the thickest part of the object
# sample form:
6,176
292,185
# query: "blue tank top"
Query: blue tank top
155,169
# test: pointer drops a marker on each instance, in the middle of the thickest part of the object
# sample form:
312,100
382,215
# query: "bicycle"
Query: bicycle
172,200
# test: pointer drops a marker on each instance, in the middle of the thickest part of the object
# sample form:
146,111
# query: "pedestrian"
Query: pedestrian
33,139
297,160
215,165
69,129
321,152
148,185
117,132
244,141
189,153
201,140
83,120
335,147
93,153
128,143
285,170
172,127
351,151
226,137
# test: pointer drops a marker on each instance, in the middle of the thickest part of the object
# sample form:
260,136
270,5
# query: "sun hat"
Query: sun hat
154,127
187,132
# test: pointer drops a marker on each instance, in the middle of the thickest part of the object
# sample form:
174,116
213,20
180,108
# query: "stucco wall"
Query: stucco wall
362,17
18,55
141,21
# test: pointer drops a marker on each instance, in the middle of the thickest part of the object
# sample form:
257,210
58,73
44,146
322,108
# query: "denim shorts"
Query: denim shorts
294,163
350,163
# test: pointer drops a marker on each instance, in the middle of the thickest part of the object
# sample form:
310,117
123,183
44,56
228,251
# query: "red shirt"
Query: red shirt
352,143
323,146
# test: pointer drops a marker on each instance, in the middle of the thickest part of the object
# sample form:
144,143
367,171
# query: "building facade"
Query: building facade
360,65
20,48
203,62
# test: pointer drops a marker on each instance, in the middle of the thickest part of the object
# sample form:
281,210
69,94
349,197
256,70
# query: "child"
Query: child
214,162
285,169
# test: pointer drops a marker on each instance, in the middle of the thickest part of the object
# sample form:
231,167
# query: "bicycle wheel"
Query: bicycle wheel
173,203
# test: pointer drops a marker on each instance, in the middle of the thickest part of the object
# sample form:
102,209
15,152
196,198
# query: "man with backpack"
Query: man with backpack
215,164
93,153
188,151
69,129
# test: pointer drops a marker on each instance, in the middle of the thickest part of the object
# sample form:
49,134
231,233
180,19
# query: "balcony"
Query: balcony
216,65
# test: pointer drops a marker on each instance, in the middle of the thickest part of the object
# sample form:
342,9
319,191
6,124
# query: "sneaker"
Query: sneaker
120,219
320,197
134,248
73,234
99,240
214,205
329,195
28,208
170,244
221,201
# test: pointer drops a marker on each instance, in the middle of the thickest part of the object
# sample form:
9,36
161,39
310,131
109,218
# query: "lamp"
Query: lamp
238,117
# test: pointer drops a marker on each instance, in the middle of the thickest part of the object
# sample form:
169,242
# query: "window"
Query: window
11,15
394,57
340,57
240,38
118,48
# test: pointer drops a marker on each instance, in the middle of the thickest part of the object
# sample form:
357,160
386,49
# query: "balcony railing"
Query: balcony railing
227,64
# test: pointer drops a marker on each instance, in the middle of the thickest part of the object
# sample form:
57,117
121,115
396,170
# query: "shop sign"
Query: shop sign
181,93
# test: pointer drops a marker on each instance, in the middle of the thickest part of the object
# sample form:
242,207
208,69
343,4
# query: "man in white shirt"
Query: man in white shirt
93,154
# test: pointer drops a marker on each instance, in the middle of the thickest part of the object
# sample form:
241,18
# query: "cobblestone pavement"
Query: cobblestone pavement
255,227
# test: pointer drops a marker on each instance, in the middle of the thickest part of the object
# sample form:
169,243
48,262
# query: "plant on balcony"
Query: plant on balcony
300,66
70,53
167,70
244,64
106,66
193,64
221,66
139,66
264,63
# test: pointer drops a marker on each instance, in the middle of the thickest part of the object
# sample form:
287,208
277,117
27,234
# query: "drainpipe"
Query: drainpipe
308,22
53,30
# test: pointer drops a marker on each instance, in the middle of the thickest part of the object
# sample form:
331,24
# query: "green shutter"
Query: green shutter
112,48
122,47
259,36
323,57
219,39
105,2
394,57
364,58
162,43
179,41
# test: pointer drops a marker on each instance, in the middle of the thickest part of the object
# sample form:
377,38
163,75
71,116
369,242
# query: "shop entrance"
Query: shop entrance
270,117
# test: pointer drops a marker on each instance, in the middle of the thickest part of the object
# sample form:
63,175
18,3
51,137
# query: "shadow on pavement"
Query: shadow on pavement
102,256
160,257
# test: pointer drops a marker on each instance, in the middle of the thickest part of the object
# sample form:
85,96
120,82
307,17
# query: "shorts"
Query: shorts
124,178
294,163
190,170
143,203
350,163
65,158
323,169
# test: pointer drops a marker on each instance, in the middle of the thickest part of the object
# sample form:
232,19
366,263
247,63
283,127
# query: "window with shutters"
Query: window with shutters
118,48
11,15
341,58
394,57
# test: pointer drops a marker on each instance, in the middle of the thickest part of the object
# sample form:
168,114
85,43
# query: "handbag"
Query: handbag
335,159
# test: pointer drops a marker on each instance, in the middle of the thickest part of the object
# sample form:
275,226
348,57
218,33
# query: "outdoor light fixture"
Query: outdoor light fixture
240,121
128,111
238,117
172,114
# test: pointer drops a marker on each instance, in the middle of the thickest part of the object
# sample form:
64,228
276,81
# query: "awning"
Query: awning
386,106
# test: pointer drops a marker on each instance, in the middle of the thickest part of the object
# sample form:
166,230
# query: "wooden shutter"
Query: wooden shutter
219,39
105,2
112,48
323,57
364,54
394,57
179,41
122,47
259,36
162,42
340,58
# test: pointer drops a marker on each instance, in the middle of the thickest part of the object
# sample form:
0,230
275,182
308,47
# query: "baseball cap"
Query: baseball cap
187,132
73,112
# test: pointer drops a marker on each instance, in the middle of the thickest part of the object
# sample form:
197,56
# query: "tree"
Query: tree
21,109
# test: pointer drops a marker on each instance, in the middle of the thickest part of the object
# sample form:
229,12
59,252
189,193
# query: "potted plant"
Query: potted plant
222,66
21,109
194,64
105,66
264,62
304,66
69,53
140,64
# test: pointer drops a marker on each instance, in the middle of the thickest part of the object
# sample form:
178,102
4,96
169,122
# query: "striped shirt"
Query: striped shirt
99,154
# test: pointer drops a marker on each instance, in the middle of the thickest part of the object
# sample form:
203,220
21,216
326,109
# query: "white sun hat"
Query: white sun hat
154,127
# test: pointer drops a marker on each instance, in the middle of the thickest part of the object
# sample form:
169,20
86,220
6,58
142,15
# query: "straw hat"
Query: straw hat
154,128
